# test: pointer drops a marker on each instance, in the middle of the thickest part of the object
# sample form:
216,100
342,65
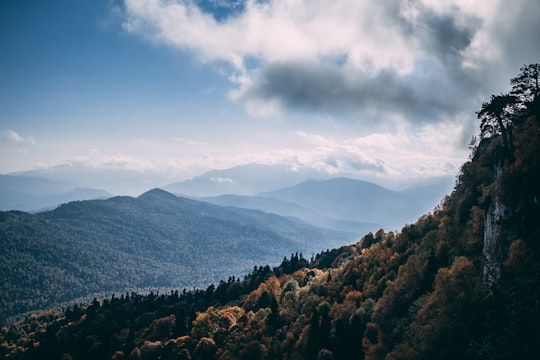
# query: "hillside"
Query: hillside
462,282
154,241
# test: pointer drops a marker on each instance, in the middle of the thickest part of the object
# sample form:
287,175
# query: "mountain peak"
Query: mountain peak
157,193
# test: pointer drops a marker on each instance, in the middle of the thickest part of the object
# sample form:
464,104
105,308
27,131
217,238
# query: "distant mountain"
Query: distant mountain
243,180
362,201
153,241
287,209
51,202
114,181
30,193
432,187
32,186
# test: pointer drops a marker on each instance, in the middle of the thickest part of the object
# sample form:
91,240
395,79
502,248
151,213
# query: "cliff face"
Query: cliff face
511,206
497,239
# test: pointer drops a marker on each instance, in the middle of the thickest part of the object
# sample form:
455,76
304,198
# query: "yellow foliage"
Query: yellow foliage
205,324
520,259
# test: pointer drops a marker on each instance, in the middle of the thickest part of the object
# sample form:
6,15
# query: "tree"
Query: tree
496,114
526,86
450,316
273,318
495,118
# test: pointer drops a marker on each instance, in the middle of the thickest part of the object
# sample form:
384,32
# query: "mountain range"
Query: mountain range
336,203
117,181
156,240
248,179
345,204
160,240
289,209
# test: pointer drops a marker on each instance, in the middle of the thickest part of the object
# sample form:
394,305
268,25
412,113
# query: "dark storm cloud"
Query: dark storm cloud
438,90
352,55
445,38
518,35
331,88
441,87
442,35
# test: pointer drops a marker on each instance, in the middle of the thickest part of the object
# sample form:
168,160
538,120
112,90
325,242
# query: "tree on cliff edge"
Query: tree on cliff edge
496,115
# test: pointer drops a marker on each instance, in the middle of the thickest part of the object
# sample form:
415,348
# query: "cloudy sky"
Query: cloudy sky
363,88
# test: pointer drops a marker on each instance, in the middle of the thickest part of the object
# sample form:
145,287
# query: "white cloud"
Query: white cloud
399,155
97,160
13,137
380,57
222,180
275,31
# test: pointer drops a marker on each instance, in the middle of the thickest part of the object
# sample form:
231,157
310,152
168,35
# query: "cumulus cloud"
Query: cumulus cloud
424,60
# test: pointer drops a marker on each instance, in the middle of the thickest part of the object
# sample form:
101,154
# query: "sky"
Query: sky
358,88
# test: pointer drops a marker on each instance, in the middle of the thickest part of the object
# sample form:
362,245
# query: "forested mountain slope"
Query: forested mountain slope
154,241
461,283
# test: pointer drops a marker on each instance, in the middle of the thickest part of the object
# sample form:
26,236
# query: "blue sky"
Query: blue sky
364,89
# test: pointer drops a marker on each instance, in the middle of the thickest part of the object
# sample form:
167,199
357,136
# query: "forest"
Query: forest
87,249
462,282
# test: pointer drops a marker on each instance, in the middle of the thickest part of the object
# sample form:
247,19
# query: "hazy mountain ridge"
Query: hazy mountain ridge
31,193
345,204
155,240
357,200
288,209
116,181
248,179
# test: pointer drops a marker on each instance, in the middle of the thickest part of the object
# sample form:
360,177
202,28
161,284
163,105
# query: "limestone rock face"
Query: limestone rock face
496,241
497,234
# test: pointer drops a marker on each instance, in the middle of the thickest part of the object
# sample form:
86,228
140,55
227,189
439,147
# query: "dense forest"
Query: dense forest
95,248
463,282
